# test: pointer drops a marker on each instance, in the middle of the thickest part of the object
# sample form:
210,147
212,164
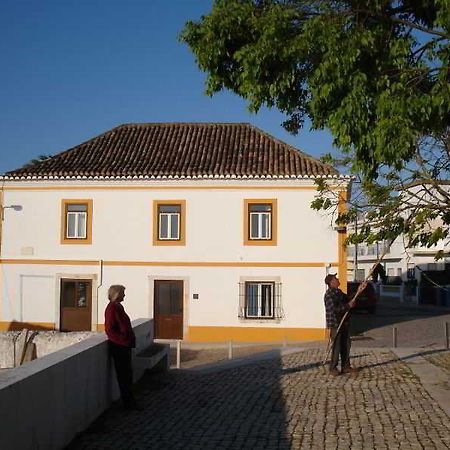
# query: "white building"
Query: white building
208,226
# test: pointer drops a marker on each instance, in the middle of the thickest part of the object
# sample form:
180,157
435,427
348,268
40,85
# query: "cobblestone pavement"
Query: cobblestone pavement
441,360
416,326
288,402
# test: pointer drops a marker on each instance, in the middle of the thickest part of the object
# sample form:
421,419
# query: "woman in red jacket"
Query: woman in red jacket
121,340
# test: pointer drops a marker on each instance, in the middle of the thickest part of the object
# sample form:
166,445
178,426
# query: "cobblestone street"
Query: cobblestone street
289,402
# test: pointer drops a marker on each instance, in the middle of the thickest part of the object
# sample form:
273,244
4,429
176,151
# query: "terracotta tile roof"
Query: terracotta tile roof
179,150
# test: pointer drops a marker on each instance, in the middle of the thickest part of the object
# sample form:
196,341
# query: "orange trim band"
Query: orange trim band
62,262
254,334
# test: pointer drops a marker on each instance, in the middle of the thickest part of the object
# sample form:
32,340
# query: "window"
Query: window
74,294
76,222
360,274
410,271
372,249
260,222
260,300
169,222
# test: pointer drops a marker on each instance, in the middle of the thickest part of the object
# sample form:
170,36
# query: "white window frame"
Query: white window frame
260,218
169,226
77,215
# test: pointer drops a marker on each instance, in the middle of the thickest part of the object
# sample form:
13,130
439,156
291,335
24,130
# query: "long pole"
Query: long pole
361,288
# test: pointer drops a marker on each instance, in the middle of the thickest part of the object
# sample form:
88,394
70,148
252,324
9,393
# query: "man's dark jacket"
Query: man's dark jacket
336,305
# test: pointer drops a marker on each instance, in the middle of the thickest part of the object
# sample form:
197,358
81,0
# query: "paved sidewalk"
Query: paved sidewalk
282,402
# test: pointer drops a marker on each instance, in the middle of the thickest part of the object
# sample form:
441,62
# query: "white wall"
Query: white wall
122,225
217,287
122,231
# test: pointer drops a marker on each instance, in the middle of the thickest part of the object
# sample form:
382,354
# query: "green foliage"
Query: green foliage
375,73
37,160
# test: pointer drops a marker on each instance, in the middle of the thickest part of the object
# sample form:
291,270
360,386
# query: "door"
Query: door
168,309
76,305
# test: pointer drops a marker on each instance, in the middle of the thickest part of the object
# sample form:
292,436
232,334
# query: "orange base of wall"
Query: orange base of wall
17,326
254,334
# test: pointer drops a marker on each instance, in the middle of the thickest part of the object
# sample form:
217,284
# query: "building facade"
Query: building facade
208,226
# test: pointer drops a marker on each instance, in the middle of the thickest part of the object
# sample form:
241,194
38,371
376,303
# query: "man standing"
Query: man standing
336,305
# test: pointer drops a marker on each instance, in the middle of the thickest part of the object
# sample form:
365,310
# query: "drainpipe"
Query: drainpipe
1,215
100,261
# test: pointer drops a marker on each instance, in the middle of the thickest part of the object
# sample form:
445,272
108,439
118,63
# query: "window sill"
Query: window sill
260,320
76,241
261,242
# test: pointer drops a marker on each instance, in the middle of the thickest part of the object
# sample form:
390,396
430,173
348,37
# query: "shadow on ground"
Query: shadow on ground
416,326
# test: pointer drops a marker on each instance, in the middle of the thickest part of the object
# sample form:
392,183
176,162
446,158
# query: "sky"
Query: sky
73,69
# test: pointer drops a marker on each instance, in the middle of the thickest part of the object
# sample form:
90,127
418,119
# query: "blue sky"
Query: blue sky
73,69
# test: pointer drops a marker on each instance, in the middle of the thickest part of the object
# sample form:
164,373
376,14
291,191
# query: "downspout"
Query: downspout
99,285
1,215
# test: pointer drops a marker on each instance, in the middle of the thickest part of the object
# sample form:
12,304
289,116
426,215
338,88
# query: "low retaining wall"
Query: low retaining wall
46,342
44,403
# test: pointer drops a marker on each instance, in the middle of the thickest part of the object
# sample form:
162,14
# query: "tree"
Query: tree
37,160
374,72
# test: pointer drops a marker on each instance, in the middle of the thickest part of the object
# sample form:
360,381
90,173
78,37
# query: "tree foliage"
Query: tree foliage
413,202
374,72
37,160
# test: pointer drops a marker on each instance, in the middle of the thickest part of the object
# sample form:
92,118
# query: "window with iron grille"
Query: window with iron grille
260,300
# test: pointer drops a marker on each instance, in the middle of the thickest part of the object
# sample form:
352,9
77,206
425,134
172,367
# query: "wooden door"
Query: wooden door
76,305
168,309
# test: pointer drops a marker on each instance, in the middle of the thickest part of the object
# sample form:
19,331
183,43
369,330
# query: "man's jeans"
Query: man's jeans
341,347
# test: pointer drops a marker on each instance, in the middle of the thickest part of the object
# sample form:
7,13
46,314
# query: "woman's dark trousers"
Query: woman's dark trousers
122,362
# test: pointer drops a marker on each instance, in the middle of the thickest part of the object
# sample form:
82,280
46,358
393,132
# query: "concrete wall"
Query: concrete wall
46,342
44,403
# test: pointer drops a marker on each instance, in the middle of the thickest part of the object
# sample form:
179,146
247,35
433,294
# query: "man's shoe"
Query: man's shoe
350,370
334,372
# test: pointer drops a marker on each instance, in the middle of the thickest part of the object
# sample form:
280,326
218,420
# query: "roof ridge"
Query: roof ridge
180,123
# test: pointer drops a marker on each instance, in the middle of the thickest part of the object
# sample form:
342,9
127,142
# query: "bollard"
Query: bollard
230,349
446,333
394,337
178,354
